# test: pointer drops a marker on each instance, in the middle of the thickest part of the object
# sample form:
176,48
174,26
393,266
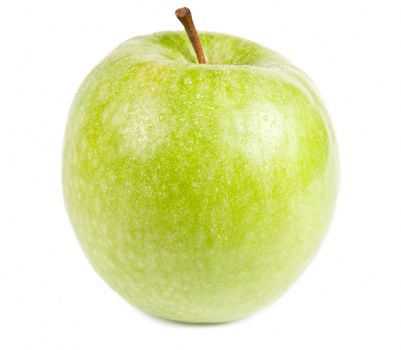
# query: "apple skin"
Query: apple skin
199,192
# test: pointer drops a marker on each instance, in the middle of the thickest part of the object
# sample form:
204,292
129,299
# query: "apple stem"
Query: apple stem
184,16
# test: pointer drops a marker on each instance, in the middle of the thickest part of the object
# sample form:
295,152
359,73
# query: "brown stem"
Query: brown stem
185,17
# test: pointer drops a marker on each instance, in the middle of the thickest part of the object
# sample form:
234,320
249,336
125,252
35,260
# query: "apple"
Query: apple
199,192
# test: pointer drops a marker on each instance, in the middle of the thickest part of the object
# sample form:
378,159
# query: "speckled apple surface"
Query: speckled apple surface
198,192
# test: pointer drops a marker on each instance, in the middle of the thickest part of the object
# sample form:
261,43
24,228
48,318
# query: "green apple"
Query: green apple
199,192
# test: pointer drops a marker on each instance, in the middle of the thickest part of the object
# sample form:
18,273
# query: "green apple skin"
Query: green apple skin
199,192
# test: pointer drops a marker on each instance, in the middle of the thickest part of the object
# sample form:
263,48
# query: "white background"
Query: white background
349,298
